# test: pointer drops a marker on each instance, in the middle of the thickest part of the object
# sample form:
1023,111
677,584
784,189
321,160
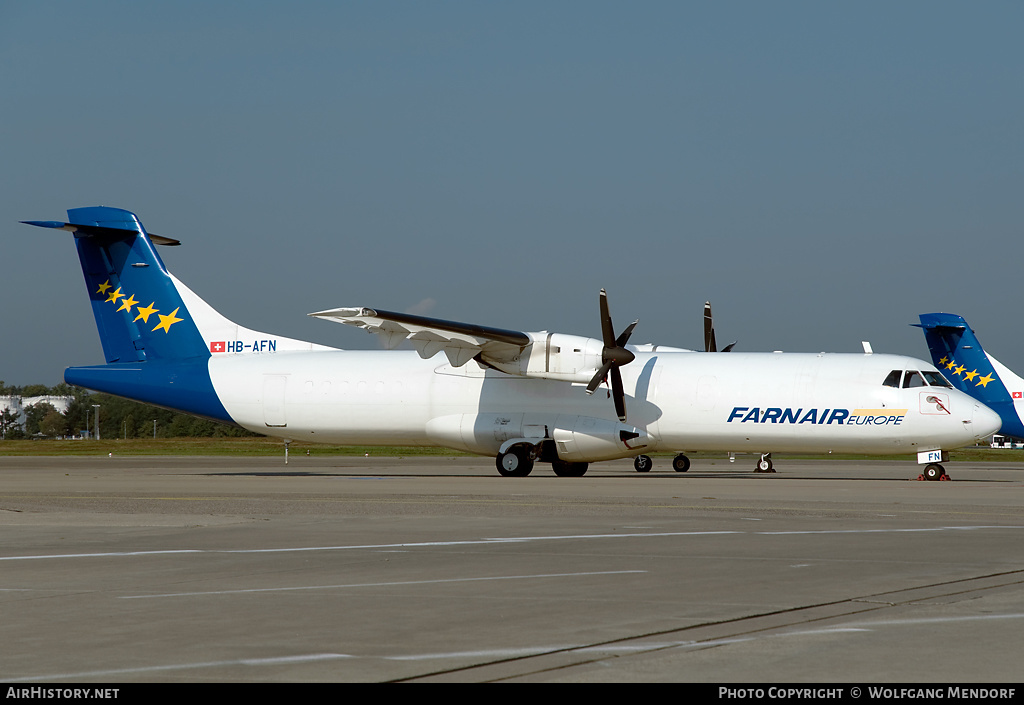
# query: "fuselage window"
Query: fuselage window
913,379
893,380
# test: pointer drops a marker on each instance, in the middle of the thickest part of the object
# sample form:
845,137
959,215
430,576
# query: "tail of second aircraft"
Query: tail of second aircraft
957,353
157,335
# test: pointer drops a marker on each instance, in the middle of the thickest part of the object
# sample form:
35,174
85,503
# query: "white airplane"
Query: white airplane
956,352
520,397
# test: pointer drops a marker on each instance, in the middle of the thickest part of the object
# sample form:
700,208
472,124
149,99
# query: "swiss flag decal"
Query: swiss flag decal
217,347
1018,395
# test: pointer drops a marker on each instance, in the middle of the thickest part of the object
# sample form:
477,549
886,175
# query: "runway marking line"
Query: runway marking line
396,583
500,540
523,652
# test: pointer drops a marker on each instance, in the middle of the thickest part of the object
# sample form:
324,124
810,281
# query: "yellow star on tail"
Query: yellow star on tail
114,296
103,287
167,321
969,376
983,381
127,304
145,312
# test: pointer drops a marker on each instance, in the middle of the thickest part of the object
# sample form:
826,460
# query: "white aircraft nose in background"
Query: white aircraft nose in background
985,421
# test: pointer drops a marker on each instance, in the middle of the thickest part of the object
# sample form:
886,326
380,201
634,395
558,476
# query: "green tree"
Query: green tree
35,390
118,417
35,414
7,390
128,426
9,425
63,389
79,414
53,424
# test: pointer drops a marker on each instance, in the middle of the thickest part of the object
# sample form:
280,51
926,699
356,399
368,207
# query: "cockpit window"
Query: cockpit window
935,379
913,379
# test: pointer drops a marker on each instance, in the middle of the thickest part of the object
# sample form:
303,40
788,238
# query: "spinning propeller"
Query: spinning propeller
613,356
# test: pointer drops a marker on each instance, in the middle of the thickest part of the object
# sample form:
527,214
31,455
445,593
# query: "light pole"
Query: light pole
97,419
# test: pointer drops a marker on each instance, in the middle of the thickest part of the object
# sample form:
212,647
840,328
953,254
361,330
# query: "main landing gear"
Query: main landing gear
680,463
933,472
564,468
765,463
518,461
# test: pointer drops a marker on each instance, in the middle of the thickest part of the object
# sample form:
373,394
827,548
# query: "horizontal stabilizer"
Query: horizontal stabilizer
99,230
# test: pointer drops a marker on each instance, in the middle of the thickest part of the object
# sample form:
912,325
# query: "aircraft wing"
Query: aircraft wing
461,342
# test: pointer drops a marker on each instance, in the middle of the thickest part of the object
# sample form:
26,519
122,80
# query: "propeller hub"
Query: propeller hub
618,355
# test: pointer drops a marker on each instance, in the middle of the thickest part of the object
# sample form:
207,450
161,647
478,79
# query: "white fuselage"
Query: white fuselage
518,396
758,402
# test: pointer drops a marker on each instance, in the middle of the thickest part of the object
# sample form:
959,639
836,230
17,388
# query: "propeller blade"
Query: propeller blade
607,331
709,330
624,337
596,380
617,395
710,344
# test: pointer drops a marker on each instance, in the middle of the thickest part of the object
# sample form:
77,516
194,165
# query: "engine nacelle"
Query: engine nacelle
584,439
567,358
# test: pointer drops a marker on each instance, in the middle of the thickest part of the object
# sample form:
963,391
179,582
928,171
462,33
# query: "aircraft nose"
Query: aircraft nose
985,422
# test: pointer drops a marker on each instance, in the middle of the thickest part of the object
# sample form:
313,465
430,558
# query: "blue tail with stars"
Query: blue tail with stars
152,345
957,353
138,310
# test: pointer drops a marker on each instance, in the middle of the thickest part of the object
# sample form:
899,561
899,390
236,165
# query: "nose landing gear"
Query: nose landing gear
934,472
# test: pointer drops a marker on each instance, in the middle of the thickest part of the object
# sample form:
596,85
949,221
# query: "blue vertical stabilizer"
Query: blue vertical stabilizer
138,310
956,352
153,349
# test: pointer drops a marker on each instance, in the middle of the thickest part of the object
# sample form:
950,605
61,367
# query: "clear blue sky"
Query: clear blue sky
822,172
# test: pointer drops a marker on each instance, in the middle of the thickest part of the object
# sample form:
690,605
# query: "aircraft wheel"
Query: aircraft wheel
515,462
764,464
642,463
680,463
563,468
934,471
